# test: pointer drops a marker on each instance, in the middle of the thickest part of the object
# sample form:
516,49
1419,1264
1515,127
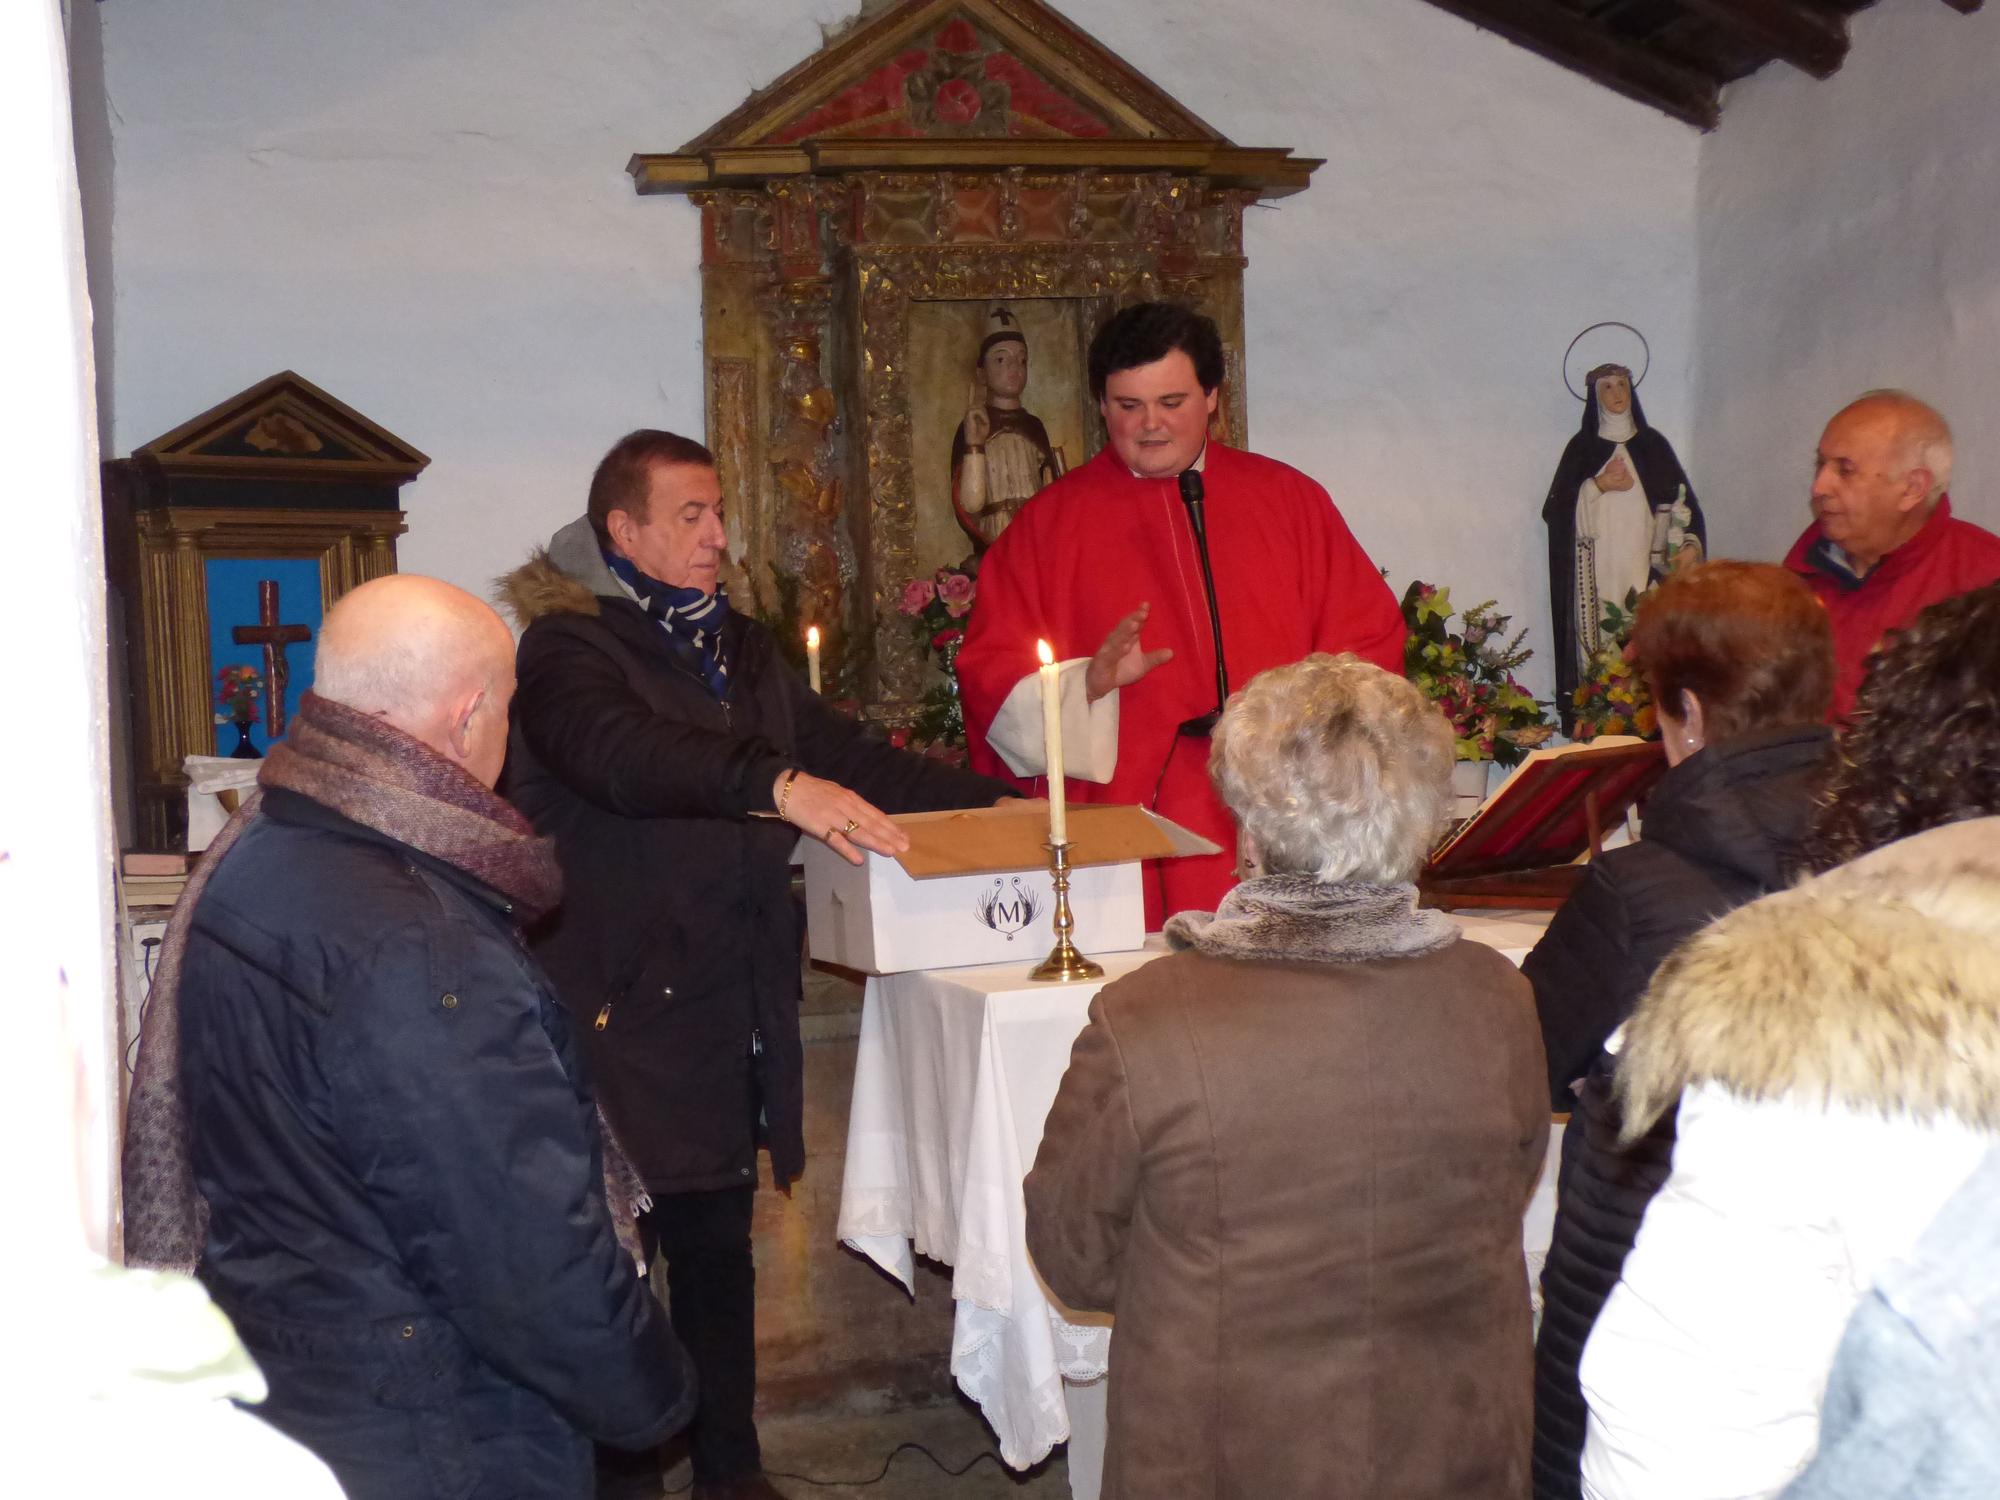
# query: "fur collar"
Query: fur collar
1297,919
567,577
1875,986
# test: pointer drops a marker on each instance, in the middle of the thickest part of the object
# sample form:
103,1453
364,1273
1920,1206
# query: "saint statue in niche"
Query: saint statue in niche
1621,515
1001,454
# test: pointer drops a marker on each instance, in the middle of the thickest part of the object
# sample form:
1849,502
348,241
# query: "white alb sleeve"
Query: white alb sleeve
1090,730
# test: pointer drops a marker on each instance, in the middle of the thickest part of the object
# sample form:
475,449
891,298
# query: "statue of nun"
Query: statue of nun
1621,515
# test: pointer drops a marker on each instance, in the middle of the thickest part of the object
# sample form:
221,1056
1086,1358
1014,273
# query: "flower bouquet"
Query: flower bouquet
1612,697
1469,674
238,691
936,608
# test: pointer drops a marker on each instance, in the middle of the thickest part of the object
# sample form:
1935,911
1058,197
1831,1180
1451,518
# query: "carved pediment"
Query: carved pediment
963,85
283,428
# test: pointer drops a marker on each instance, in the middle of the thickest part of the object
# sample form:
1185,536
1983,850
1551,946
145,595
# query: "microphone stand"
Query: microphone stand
1203,725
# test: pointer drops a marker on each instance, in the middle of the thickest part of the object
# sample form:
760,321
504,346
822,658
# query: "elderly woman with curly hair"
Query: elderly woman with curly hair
1292,1156
1835,1053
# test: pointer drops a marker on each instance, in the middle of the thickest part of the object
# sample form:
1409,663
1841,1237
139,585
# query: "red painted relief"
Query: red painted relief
961,85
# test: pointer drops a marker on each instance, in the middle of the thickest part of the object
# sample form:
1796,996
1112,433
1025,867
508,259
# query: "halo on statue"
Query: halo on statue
1645,351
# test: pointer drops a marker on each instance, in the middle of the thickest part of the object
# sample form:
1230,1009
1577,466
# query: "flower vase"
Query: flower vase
244,750
1468,785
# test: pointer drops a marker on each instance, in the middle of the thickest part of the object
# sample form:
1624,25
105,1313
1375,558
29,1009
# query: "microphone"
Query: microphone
1203,725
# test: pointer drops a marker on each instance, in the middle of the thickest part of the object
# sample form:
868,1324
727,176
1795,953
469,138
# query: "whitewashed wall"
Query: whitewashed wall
1849,238
423,208
58,1083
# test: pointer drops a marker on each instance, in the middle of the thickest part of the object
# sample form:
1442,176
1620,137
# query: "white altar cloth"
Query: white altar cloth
953,1080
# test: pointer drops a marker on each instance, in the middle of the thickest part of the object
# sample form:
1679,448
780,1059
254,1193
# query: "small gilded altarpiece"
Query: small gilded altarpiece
935,159
281,485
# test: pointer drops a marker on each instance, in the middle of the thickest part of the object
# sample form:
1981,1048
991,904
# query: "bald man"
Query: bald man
1884,544
393,1150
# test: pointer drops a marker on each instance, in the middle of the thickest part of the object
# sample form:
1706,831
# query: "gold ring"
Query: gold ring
852,824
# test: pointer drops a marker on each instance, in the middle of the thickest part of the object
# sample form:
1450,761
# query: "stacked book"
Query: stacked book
152,880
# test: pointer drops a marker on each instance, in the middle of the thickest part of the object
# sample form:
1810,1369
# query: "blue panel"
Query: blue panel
232,601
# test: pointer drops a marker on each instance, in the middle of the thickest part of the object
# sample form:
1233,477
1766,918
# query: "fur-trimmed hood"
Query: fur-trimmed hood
1876,985
567,577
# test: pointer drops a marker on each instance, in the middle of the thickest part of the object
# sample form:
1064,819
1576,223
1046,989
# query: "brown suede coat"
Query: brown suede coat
1299,1188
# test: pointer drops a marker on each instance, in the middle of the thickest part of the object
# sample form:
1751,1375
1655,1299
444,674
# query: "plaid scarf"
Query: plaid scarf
372,773
693,620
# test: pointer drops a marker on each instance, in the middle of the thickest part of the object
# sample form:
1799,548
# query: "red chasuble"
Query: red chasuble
1088,550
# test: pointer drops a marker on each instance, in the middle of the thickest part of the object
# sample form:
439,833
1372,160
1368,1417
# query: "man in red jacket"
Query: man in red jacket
1107,554
1884,544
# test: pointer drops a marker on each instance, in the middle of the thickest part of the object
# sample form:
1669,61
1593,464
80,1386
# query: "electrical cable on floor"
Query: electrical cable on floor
883,1473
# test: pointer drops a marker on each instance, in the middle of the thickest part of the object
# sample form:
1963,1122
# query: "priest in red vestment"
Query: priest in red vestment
1884,545
1103,565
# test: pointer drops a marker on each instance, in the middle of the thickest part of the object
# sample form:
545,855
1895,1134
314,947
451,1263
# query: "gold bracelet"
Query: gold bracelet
785,791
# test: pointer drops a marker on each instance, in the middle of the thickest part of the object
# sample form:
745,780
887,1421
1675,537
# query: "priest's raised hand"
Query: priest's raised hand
1122,660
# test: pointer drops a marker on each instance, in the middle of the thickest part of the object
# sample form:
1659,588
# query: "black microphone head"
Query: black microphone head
1191,486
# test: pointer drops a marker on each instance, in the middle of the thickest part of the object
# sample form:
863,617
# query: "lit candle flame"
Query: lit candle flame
812,636
1042,650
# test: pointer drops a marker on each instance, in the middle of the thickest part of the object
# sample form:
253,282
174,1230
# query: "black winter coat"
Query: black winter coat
678,945
404,1174
1722,828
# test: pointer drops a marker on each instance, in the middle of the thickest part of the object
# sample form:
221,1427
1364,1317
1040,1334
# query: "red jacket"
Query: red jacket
1947,558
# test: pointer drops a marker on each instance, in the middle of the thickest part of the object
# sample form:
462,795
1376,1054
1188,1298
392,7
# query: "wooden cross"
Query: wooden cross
274,638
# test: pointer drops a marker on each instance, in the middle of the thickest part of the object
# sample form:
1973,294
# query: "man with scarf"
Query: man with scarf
358,1107
675,758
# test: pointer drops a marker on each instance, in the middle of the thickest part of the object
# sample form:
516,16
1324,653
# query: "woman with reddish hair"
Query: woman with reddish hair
1739,657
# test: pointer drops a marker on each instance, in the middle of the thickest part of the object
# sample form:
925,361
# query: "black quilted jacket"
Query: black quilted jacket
1721,829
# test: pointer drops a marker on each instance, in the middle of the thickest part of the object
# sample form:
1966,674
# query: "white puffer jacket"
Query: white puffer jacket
1839,1044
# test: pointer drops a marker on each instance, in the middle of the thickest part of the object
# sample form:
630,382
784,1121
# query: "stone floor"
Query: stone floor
808,1455
850,1365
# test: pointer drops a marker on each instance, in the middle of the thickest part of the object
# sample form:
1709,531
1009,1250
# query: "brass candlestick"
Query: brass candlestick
1064,962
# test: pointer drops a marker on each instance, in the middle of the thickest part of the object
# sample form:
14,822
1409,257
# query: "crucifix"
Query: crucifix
274,638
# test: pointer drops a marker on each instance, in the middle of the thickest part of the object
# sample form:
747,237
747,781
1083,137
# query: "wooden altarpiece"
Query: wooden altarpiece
970,152
279,472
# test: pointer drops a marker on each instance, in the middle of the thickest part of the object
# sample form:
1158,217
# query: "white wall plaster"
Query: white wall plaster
423,209
58,1082
1847,241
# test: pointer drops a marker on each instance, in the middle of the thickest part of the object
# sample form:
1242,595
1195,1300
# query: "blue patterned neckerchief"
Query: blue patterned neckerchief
692,620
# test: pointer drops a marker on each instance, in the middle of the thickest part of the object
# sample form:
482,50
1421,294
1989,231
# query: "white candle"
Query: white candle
812,656
1052,743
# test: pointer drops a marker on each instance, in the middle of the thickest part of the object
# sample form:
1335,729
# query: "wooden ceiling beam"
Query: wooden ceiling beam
1808,39
1571,41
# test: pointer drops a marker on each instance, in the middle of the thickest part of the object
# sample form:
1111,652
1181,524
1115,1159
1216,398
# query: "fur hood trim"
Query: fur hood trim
567,577
1875,986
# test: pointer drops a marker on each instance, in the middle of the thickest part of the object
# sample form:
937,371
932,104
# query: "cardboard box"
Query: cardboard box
974,888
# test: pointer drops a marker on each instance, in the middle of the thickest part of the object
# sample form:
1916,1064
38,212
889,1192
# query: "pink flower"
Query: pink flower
917,593
956,102
956,590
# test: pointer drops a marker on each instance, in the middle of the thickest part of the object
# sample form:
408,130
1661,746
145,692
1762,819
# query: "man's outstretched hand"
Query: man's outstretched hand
1121,660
